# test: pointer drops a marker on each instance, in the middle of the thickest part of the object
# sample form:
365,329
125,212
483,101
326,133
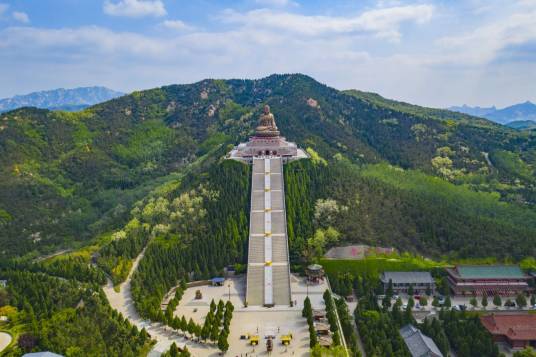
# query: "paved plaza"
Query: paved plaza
278,321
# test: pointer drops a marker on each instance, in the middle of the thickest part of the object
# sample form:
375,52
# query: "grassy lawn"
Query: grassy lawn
374,265
377,264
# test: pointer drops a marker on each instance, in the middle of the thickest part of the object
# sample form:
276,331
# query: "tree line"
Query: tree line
68,317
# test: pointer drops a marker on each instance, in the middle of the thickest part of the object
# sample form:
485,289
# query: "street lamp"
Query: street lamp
229,286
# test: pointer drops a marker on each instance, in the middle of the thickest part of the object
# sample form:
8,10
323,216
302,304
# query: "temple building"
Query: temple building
268,270
489,280
267,142
420,281
419,345
517,330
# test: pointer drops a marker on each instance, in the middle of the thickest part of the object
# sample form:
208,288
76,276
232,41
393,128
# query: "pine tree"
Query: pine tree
484,301
521,300
184,324
390,292
411,303
176,324
307,309
435,302
312,336
223,344
173,351
212,306
205,332
497,300
447,303
191,327
473,302
386,302
214,333
336,338
423,301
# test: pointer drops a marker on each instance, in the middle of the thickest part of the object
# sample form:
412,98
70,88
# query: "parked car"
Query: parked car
459,307
510,303
533,307
395,297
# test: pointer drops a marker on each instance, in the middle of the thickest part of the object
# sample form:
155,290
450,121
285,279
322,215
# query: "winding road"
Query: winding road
122,301
5,340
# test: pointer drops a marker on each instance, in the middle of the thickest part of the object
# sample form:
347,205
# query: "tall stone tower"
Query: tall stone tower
268,272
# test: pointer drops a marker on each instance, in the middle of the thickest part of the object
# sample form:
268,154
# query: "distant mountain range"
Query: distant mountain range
60,99
522,124
520,115
475,111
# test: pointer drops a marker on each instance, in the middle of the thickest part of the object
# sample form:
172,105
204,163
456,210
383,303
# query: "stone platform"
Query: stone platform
259,146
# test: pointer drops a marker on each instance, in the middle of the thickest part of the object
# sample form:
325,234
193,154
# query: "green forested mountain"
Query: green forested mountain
148,170
66,177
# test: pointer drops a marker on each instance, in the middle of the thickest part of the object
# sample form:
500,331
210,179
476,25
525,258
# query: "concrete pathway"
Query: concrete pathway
122,301
5,340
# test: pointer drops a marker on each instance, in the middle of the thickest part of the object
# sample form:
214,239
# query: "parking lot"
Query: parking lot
459,302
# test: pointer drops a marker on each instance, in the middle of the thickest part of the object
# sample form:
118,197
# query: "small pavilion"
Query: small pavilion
315,273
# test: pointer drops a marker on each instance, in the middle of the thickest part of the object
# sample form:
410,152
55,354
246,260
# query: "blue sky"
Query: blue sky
429,52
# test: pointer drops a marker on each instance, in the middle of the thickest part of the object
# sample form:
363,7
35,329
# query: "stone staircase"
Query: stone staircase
268,280
281,281
255,290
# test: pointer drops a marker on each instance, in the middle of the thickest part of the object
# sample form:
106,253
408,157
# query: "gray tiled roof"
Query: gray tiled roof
410,277
418,344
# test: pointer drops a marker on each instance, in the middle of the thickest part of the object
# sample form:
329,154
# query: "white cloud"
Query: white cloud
275,3
176,25
21,17
486,42
342,51
135,8
383,22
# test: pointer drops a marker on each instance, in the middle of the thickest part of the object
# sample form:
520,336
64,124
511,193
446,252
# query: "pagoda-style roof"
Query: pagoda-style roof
514,326
314,267
488,272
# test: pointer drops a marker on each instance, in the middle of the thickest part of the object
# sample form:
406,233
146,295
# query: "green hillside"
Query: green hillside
68,177
383,205
148,170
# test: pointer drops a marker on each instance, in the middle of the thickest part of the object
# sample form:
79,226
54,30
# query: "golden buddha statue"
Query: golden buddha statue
267,125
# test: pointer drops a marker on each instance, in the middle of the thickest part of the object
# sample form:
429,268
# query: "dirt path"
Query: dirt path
5,340
48,256
122,300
